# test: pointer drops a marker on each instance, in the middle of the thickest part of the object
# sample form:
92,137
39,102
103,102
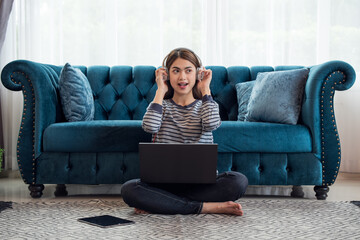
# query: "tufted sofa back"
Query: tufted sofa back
121,92
124,92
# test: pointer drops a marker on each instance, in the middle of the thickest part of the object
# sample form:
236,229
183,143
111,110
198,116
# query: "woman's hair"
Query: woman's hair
188,55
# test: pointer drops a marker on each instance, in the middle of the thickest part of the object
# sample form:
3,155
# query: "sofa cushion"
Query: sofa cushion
243,92
95,136
261,137
277,96
76,95
125,135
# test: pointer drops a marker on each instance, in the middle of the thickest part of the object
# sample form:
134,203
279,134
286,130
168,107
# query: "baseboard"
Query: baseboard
347,175
10,174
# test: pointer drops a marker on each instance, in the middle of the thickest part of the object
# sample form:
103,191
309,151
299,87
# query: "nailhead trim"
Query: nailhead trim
26,99
334,125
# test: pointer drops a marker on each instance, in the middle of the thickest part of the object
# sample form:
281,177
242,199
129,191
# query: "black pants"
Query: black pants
183,198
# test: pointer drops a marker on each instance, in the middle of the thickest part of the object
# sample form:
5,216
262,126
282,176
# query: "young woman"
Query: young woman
183,111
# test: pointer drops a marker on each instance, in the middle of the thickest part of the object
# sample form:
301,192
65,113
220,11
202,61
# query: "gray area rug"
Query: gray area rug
263,219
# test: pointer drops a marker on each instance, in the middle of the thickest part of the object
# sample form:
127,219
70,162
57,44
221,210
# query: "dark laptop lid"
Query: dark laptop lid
178,163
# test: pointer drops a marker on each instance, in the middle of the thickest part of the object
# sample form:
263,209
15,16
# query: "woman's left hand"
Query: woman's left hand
204,83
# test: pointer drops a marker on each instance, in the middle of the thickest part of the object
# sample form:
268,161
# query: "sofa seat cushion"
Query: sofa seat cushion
95,136
261,137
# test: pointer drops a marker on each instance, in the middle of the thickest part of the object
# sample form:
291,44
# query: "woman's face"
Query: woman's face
182,75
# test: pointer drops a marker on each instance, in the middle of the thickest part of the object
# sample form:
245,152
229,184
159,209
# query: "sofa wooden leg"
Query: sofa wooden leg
297,192
321,192
60,190
36,190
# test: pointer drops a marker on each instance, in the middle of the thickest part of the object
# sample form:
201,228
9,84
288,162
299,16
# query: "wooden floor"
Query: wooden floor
12,188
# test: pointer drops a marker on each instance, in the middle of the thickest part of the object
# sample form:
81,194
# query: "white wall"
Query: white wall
347,113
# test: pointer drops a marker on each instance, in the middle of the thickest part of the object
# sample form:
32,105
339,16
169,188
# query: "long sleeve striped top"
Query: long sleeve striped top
172,123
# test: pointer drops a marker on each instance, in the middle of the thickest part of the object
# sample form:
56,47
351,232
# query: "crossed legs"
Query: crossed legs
187,198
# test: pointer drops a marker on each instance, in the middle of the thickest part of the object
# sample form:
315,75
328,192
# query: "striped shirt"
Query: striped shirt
172,123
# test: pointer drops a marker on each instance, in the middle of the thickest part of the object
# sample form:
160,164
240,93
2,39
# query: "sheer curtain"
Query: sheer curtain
222,32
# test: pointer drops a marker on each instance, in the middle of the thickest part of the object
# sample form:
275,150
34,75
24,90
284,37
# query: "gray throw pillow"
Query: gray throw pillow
243,92
277,96
76,95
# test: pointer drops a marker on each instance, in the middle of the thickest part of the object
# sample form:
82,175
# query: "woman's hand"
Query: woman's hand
161,74
204,83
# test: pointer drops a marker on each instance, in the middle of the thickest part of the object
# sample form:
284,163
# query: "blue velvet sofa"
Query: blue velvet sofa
105,150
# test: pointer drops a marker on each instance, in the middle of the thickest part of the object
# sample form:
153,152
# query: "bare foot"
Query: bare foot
231,208
139,211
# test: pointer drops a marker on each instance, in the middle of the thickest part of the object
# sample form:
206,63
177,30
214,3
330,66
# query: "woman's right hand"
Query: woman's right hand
161,74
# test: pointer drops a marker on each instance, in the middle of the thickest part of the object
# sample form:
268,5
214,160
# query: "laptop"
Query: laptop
178,163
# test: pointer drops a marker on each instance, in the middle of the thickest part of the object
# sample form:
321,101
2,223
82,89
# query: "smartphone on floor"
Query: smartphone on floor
105,221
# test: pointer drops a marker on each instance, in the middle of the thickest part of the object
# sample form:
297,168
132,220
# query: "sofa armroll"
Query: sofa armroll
319,115
39,84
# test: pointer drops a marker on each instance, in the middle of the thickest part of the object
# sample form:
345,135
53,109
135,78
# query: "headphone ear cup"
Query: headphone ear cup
166,77
199,76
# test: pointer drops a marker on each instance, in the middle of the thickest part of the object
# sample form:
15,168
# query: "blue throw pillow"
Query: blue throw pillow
243,92
277,96
76,95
